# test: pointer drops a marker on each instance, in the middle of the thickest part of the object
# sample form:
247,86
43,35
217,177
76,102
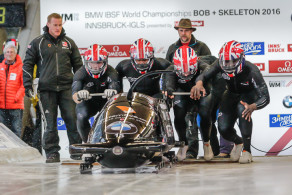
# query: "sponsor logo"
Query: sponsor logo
275,48
225,76
289,49
197,23
253,48
61,123
70,17
116,51
245,84
131,79
261,66
119,127
280,66
64,44
280,120
126,109
277,83
90,84
287,101
280,83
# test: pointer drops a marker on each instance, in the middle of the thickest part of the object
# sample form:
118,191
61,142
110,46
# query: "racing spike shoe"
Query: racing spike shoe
53,158
208,153
235,152
191,155
181,154
76,157
245,158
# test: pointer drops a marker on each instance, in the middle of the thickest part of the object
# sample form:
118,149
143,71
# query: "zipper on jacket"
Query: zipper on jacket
57,63
7,72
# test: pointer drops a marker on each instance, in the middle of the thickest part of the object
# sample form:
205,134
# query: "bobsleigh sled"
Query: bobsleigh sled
131,130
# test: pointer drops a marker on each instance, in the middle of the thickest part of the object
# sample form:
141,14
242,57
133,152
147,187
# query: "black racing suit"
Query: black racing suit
86,109
185,108
247,86
150,85
55,58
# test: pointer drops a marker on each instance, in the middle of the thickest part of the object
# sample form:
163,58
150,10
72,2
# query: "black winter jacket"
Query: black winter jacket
200,48
54,58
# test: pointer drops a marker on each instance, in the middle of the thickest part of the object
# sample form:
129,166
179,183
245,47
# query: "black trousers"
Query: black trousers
84,111
50,101
230,110
185,110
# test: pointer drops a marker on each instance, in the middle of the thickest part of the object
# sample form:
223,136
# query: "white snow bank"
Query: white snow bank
13,149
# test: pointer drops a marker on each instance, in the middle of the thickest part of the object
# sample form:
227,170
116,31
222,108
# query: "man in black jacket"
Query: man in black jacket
185,30
55,55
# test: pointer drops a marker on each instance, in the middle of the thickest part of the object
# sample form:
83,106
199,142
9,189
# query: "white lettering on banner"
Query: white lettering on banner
284,120
116,48
287,67
251,47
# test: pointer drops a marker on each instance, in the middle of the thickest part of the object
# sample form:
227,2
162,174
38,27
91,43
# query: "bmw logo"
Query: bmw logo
287,101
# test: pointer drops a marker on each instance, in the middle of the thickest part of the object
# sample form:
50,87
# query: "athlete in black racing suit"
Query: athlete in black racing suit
86,81
131,69
185,108
246,92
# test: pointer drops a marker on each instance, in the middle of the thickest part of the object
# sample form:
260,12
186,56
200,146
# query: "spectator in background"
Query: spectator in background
9,42
55,55
11,89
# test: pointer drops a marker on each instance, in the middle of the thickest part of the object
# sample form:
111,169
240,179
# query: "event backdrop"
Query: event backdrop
263,27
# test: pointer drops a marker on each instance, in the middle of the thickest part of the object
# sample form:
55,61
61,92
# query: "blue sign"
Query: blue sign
253,48
280,120
61,124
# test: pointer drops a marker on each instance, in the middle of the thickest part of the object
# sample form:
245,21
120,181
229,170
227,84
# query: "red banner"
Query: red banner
118,51
261,66
289,48
280,66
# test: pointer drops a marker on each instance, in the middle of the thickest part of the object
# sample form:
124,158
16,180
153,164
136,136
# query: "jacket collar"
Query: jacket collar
50,37
192,42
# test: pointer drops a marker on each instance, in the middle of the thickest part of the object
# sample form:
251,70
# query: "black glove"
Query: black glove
29,91
169,92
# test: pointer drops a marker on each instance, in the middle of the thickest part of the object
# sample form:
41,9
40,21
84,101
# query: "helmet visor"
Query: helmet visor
95,67
185,75
142,64
230,65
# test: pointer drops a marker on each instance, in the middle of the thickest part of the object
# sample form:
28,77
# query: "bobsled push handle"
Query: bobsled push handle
140,78
97,94
181,93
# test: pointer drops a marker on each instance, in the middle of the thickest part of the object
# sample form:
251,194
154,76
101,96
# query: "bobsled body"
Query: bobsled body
128,134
